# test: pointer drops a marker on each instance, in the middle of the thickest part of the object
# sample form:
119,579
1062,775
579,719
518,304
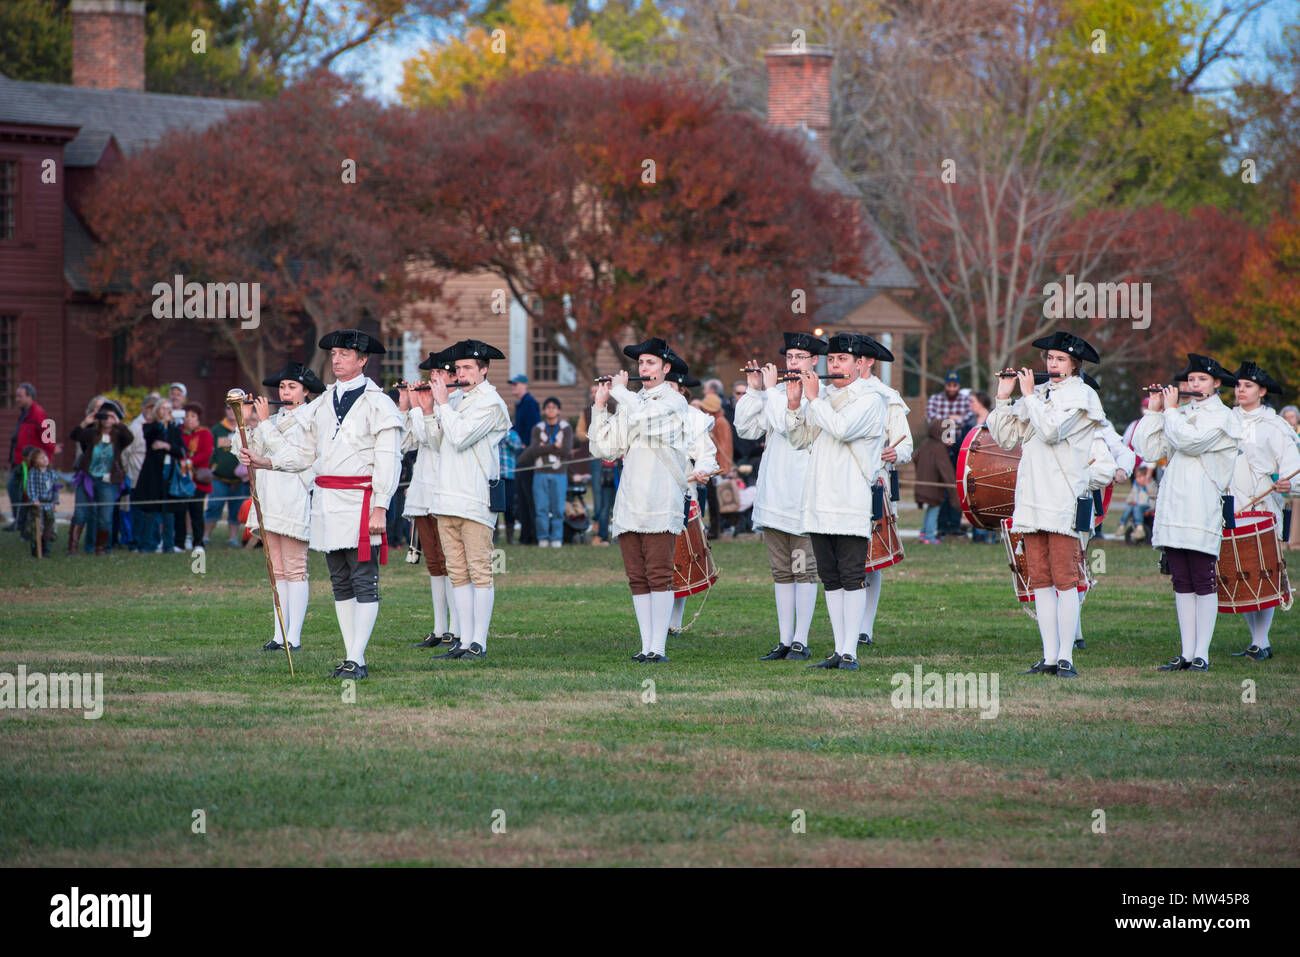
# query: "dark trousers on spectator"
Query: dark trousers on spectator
192,507
15,487
524,508
508,516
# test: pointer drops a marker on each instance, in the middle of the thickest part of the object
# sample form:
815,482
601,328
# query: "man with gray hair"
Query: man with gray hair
29,430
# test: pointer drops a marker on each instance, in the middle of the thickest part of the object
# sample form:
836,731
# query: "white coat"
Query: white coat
285,496
1124,457
1200,440
702,452
783,472
419,494
1267,450
1055,427
845,429
653,431
367,443
896,428
466,436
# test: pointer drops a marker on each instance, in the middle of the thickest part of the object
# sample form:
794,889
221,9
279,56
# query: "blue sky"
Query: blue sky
381,64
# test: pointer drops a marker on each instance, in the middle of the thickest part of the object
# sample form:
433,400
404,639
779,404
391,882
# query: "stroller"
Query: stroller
577,520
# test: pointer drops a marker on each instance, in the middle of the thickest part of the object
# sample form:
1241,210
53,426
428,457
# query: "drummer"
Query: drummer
897,451
1055,424
703,455
844,426
1200,440
782,487
650,431
1268,455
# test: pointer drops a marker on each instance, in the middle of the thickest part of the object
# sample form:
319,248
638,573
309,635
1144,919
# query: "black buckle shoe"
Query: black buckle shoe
473,653
798,652
830,661
1255,653
654,658
1199,664
1040,667
865,639
1078,643
338,670
776,654
453,653
1176,664
638,657
1065,669
350,669
848,663
274,645
430,641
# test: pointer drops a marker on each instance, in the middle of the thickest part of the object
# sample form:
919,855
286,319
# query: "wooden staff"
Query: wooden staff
1260,498
235,400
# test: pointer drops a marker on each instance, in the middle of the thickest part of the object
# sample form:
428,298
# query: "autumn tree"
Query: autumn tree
284,194
519,37
1260,319
617,205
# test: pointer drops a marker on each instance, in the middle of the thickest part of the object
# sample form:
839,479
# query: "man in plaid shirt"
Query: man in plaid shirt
948,404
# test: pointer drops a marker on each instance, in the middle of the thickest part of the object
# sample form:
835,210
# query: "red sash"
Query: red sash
363,538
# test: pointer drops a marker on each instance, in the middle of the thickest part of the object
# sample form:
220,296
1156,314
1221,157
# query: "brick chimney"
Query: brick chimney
108,44
799,89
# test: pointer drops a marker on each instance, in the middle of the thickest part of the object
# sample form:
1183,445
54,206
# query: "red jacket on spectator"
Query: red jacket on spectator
199,446
29,433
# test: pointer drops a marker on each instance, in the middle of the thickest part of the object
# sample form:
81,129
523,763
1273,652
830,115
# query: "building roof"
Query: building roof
137,120
889,270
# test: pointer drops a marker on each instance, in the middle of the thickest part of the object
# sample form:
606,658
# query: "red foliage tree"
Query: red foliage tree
265,196
617,205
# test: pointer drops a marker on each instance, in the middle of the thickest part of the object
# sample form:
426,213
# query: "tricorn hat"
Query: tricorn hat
1255,374
1068,343
296,372
653,346
1197,363
851,343
813,345
439,360
352,339
879,352
473,349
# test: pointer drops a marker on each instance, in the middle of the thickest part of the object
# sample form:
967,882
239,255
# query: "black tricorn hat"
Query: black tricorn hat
1197,363
653,346
472,349
679,372
439,360
879,351
296,372
813,345
1068,343
851,343
1255,374
352,339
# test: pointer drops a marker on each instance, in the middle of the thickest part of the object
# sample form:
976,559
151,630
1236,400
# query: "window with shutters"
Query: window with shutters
545,365
8,360
8,198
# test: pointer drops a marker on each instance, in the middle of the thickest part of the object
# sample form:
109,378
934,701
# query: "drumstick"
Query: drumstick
1261,497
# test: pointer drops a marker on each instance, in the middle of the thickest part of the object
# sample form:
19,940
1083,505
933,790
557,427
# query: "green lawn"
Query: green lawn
551,735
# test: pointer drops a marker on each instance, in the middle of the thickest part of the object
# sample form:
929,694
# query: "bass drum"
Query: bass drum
986,480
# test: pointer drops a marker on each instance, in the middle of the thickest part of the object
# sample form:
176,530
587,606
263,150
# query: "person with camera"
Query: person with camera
102,436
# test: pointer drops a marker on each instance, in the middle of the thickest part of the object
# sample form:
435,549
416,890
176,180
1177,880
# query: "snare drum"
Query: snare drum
693,568
885,549
986,479
1251,570
1014,542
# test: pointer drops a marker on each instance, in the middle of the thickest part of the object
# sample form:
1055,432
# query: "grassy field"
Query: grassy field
551,737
